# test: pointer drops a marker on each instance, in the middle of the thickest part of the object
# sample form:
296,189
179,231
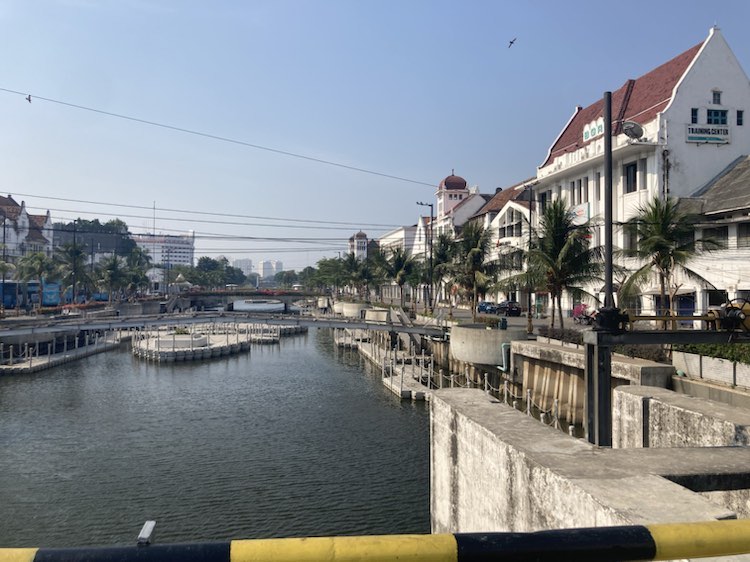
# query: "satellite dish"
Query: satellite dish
632,129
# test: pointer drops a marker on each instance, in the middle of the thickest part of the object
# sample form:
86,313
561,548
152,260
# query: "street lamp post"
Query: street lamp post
5,264
429,239
529,323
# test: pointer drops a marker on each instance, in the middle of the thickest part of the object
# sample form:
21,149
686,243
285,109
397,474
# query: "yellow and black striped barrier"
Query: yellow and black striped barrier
651,542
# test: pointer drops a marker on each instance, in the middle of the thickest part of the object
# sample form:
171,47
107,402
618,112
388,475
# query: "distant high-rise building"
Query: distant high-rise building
166,249
245,265
266,269
278,266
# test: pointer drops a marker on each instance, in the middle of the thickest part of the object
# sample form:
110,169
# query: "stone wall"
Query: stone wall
657,417
494,469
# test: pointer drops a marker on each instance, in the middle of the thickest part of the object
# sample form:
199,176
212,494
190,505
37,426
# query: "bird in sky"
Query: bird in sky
511,42
28,98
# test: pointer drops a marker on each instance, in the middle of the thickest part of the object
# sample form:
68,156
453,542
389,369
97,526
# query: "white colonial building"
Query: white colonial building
23,233
675,132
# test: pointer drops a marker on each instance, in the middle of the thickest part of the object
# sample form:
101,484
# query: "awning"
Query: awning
657,291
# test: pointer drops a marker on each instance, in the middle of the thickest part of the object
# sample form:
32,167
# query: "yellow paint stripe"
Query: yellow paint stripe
17,554
411,548
700,540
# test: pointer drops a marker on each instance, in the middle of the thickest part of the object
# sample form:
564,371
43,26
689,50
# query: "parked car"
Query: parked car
487,307
509,308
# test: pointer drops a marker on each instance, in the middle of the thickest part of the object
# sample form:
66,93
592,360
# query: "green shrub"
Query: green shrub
650,352
738,352
566,335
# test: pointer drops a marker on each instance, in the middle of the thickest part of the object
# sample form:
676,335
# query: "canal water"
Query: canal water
298,439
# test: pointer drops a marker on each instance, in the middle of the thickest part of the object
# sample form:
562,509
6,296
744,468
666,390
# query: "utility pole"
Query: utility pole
429,242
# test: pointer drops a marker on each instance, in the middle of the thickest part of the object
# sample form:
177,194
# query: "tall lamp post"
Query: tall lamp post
529,323
429,241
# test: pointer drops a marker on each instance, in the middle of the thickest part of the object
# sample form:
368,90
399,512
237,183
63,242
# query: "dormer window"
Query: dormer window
717,97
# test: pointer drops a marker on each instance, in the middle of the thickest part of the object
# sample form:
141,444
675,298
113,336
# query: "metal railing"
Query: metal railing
636,542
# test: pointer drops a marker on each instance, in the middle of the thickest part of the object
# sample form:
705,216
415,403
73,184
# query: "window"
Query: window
719,234
743,235
631,240
716,117
642,173
694,115
630,177
573,193
585,189
598,186
740,117
717,97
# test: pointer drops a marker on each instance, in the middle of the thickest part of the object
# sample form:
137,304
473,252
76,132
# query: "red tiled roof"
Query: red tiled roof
640,100
501,198
9,208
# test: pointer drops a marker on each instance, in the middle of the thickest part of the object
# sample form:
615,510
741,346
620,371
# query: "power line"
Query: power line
193,221
231,215
218,137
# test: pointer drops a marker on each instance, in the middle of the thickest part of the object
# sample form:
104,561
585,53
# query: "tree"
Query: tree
331,273
138,262
666,244
561,258
285,278
471,270
397,266
443,252
35,266
71,261
113,275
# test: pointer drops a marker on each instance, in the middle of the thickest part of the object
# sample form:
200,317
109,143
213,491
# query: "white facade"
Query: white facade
690,135
402,237
167,250
358,245
23,233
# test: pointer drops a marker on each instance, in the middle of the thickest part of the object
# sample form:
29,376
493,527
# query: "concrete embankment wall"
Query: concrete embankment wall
495,469
659,418
553,371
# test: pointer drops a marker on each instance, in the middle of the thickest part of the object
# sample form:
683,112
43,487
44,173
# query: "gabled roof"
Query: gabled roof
501,198
465,201
729,191
9,207
640,100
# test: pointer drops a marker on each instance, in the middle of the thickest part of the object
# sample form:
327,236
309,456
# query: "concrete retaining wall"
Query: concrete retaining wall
712,369
476,344
552,371
495,469
657,417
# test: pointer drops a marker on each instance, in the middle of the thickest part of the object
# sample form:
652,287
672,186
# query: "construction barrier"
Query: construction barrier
651,542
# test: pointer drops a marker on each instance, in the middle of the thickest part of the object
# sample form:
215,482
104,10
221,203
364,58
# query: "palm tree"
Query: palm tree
443,251
397,267
561,259
138,262
666,244
6,267
35,266
471,269
113,275
71,268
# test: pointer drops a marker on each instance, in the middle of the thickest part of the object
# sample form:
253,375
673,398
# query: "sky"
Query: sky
276,129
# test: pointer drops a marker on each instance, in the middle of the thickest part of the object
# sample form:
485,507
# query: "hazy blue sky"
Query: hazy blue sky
409,88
